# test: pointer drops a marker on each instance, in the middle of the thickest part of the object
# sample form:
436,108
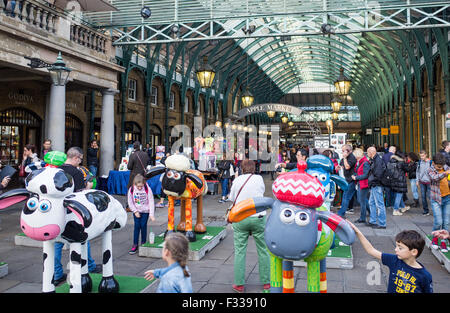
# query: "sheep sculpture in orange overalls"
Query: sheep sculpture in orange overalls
180,182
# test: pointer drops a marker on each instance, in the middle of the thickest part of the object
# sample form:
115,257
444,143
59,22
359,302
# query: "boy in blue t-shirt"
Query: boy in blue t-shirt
406,275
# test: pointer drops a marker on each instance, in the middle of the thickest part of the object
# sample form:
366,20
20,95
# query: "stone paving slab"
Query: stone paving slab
214,272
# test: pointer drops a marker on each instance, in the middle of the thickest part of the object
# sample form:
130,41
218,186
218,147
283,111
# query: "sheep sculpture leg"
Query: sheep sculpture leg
108,284
313,276
288,277
86,281
171,213
49,266
323,276
190,235
276,274
75,267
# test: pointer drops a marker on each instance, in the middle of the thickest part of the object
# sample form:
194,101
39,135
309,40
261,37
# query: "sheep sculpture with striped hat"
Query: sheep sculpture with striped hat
296,228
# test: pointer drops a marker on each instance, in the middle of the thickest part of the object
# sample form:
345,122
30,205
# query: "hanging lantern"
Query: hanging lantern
291,123
336,103
284,119
342,84
205,74
271,114
247,98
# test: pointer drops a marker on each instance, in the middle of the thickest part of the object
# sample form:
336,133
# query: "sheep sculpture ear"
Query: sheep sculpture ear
154,171
195,179
340,226
340,181
248,207
14,196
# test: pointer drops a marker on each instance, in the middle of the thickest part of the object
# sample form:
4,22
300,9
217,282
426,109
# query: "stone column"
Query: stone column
57,117
107,145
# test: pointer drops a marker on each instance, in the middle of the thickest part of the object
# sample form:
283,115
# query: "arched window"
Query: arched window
133,132
74,132
155,136
18,127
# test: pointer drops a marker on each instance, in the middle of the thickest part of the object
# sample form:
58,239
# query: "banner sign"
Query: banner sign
263,108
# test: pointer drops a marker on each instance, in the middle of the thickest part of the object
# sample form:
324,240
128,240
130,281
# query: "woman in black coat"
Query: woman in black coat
398,183
413,161
225,167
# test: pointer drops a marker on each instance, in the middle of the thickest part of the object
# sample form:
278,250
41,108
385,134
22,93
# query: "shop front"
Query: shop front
18,127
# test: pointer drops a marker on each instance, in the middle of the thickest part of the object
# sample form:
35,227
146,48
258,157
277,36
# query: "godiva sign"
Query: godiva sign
262,108
20,98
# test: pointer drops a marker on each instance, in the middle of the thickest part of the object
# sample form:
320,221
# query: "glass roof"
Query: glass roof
291,62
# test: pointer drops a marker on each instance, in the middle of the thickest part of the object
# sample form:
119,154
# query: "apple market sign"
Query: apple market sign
263,108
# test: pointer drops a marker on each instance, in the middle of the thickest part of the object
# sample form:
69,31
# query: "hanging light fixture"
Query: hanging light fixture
247,97
205,74
271,114
291,123
342,84
284,119
336,103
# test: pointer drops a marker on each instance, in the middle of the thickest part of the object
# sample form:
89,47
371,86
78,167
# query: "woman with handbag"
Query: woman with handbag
137,163
245,186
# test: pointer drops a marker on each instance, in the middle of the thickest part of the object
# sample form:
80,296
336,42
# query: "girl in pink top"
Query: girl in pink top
141,203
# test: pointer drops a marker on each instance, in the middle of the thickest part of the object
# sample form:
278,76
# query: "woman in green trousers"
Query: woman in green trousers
246,186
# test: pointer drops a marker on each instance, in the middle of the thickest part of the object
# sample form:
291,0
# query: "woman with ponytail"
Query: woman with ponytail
175,278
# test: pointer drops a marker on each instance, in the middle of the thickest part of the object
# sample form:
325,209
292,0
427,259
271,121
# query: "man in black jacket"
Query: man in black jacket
92,157
376,201
347,163
225,167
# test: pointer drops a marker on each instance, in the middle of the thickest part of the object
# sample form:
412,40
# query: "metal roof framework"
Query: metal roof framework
284,40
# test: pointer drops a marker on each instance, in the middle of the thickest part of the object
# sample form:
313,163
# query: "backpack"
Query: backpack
391,174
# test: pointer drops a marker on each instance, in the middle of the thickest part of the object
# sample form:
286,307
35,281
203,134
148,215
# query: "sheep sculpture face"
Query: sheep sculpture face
180,182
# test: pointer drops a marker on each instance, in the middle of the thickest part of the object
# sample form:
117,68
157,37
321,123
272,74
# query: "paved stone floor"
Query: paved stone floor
214,272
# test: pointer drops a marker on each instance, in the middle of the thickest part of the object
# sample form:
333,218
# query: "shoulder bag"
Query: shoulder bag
237,196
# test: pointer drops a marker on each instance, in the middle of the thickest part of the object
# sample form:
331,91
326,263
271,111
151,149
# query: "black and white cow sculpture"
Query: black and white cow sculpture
54,213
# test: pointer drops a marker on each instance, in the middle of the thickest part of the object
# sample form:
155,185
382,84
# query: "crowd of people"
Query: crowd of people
377,179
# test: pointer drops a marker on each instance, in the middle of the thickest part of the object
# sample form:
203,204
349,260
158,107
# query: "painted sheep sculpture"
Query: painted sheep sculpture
180,182
54,213
296,229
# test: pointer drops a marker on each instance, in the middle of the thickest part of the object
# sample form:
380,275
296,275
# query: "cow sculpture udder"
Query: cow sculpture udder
54,213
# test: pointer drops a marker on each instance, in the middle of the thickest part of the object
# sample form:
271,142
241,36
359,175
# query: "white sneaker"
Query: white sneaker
406,208
397,213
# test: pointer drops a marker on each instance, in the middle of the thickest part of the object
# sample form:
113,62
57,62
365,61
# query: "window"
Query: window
172,101
132,84
154,96
186,104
